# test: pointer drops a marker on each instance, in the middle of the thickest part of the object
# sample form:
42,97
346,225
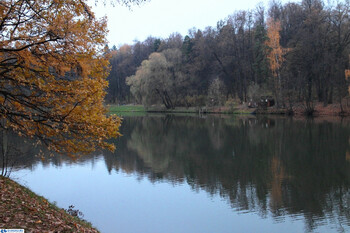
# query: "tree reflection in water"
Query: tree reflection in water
282,166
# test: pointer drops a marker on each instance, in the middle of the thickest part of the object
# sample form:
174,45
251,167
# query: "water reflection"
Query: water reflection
278,166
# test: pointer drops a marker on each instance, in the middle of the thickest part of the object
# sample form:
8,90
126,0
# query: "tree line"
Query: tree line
295,52
53,72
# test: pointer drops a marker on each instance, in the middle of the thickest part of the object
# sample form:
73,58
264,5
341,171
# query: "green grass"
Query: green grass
129,114
176,110
243,111
126,108
139,110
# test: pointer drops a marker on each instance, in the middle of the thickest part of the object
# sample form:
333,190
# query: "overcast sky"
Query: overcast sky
160,18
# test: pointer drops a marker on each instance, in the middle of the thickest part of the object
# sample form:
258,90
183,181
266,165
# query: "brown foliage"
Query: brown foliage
53,74
22,209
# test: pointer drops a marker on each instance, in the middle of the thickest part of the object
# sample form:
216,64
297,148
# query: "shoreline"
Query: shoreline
20,208
298,110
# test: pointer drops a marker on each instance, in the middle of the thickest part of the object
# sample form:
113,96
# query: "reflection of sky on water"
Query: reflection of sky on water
119,202
181,174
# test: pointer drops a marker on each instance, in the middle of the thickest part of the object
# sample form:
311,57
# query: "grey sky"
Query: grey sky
160,18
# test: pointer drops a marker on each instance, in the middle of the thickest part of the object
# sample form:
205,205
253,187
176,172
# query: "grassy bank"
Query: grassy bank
126,108
20,208
298,109
135,109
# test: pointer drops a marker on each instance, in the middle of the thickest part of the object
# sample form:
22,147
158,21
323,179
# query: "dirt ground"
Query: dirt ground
322,110
22,209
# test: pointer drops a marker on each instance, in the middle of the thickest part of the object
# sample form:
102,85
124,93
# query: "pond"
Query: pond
189,173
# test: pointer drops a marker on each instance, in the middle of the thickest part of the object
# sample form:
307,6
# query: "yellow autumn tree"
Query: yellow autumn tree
275,55
53,73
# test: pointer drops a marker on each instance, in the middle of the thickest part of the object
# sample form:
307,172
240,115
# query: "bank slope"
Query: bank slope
20,208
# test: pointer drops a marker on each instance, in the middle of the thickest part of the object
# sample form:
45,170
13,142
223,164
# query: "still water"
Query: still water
174,173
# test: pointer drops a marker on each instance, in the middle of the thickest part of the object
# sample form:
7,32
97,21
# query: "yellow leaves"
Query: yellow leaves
57,84
276,52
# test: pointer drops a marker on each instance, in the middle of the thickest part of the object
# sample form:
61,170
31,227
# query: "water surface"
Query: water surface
174,173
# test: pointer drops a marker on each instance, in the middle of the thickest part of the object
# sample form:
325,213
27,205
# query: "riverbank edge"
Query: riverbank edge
20,208
298,110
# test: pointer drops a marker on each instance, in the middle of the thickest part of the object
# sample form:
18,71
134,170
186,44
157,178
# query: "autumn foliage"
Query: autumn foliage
53,74
276,52
275,55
